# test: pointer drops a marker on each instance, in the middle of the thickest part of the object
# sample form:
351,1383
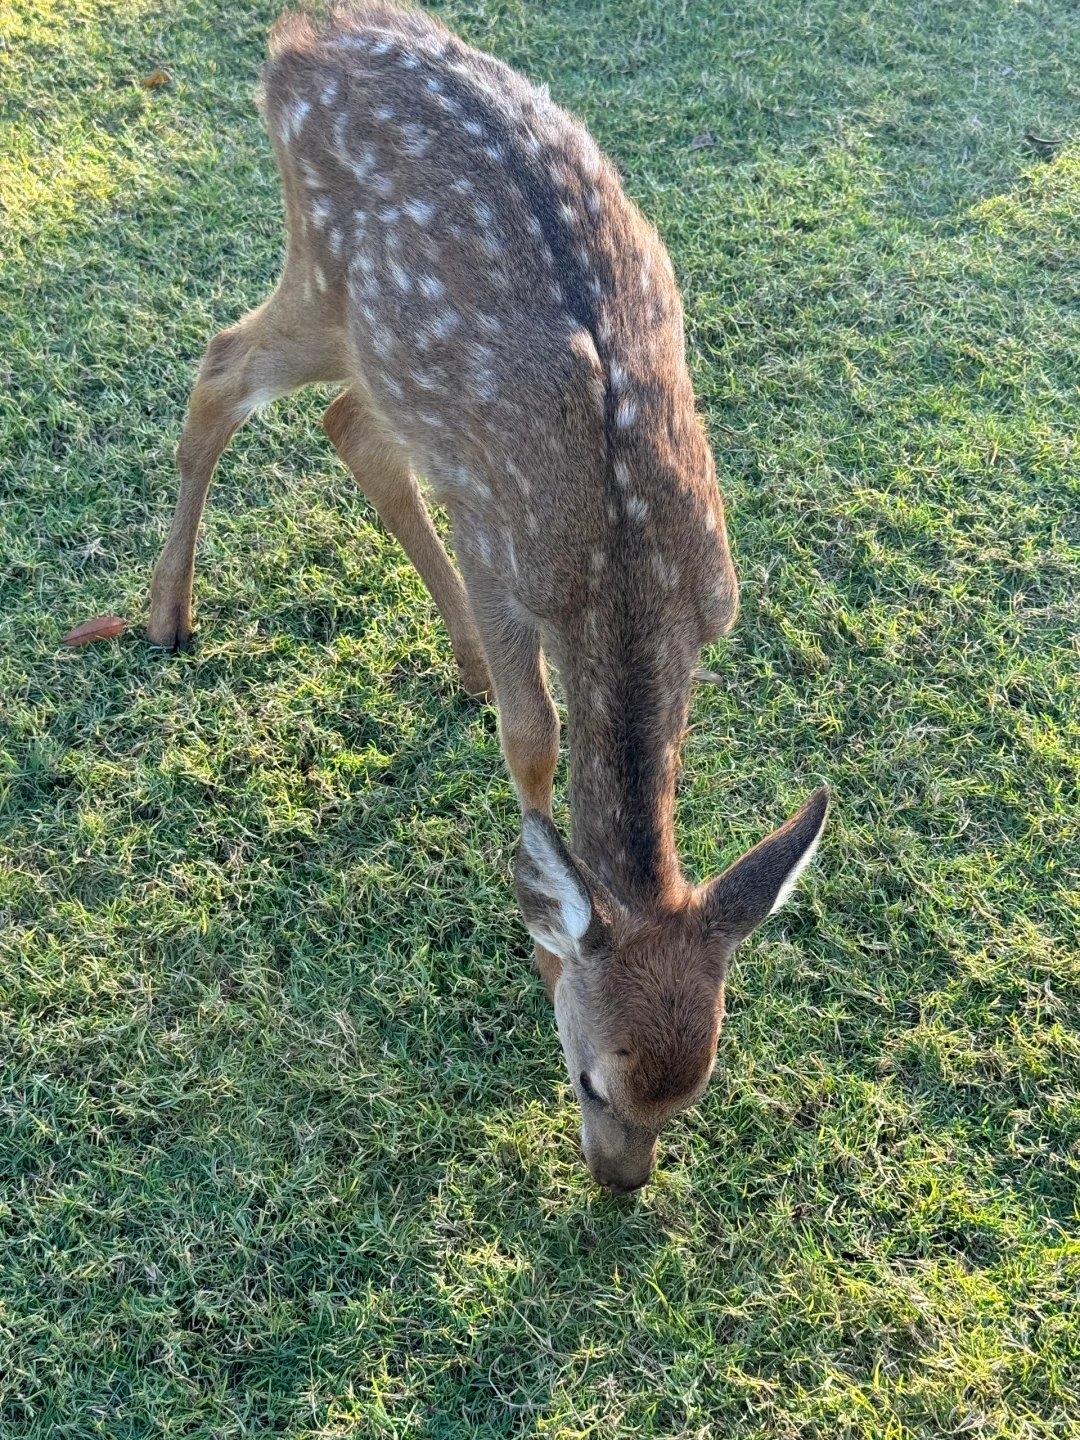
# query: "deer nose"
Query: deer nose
615,1189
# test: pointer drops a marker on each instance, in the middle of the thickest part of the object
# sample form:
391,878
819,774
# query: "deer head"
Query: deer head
640,996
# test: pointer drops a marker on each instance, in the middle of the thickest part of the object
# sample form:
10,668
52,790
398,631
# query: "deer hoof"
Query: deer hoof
476,678
169,625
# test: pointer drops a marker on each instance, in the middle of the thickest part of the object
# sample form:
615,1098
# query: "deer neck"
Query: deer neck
627,712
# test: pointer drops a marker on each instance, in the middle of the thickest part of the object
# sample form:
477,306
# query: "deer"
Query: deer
506,325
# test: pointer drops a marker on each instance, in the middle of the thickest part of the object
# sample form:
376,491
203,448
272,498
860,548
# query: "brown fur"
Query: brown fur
464,260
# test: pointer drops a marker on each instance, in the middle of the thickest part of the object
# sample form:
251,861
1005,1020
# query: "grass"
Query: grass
286,1144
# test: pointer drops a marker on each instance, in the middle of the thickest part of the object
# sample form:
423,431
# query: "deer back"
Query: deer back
512,315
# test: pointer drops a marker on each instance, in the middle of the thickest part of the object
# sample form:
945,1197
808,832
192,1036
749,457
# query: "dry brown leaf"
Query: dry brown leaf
102,627
700,141
156,78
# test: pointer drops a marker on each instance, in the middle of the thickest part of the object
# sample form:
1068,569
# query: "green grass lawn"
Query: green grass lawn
286,1146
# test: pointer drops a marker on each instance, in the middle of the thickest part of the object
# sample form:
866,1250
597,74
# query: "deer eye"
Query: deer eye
588,1091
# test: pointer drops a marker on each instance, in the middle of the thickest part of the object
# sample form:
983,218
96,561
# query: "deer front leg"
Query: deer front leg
528,722
381,471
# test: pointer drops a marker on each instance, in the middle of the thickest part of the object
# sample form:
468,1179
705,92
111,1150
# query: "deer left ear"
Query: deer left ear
557,901
755,887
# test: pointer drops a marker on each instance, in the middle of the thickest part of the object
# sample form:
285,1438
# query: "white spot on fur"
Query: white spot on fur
361,167
425,380
384,112
626,414
488,323
472,128
330,92
636,508
320,278
493,153
389,213
666,571
618,376
400,276
417,139
383,184
292,120
463,185
520,476
622,473
431,286
593,203
419,210
445,323
409,61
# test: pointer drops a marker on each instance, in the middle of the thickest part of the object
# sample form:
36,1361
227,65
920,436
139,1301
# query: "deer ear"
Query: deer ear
736,902
555,898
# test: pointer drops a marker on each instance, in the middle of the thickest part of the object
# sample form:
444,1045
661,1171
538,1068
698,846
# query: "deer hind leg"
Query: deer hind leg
382,472
269,353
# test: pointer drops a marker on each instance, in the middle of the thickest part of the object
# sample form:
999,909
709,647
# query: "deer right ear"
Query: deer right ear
555,898
736,902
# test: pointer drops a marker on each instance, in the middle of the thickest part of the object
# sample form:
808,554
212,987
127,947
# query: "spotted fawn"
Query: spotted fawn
462,259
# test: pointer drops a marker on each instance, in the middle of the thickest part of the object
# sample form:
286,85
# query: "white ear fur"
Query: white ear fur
788,887
554,878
